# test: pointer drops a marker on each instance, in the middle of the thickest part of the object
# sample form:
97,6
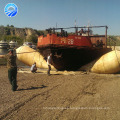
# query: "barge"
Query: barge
70,51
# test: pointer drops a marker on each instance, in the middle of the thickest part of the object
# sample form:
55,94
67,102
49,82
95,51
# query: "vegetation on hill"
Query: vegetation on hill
113,40
20,35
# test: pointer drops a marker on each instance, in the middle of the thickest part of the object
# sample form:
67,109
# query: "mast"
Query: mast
76,29
106,27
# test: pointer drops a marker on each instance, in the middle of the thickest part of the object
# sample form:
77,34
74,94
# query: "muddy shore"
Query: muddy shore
61,96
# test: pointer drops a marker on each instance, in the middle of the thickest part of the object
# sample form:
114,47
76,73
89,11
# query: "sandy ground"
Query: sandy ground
61,96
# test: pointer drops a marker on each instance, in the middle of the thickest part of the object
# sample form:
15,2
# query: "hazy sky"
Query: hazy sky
42,14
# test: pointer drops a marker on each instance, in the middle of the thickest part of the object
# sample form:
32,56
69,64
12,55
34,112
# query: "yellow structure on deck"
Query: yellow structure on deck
28,56
108,63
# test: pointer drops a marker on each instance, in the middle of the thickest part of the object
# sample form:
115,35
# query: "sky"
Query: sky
43,14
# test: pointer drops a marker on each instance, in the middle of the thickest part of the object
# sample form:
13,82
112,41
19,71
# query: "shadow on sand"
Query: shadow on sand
33,88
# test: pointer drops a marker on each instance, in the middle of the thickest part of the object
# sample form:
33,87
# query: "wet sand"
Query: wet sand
61,96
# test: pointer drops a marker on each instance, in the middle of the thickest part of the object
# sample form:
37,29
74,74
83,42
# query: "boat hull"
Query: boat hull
72,58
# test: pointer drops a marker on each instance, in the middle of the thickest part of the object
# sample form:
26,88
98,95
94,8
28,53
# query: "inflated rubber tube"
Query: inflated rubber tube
28,56
108,63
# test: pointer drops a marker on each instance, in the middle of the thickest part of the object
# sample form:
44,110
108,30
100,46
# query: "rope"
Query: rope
39,59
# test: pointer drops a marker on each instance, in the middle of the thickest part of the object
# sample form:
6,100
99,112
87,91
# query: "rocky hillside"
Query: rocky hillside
20,35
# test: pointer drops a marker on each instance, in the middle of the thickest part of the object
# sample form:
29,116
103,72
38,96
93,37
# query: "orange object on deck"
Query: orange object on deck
71,40
73,50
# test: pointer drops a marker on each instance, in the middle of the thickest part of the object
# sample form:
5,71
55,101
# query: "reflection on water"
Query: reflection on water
3,51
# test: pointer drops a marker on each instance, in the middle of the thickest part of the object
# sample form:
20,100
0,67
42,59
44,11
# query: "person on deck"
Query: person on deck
12,68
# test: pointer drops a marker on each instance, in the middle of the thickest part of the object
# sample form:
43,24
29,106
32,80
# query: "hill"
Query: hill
20,35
